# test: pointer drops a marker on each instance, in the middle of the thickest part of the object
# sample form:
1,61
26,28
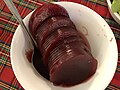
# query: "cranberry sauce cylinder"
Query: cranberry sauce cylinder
65,53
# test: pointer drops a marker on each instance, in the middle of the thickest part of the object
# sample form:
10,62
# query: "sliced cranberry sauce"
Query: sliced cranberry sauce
64,55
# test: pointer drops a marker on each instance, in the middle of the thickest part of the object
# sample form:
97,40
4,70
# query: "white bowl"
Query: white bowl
115,15
100,37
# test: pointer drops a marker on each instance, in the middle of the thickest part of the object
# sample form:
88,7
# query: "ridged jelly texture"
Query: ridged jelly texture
65,52
44,12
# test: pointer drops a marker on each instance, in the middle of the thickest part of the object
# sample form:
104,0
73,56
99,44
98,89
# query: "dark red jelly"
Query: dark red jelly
66,55
56,37
74,71
38,64
45,12
50,25
77,63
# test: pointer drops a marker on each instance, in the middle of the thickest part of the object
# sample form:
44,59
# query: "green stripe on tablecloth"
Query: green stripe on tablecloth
8,28
110,87
7,86
5,47
4,61
23,3
113,87
109,21
101,2
117,35
112,22
6,14
14,86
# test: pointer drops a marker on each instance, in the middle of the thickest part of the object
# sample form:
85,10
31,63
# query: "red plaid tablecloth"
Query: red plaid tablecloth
8,25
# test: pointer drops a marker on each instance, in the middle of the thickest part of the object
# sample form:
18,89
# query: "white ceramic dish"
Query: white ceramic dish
100,37
116,16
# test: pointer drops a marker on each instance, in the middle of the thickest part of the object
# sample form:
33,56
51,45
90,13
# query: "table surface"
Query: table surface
8,25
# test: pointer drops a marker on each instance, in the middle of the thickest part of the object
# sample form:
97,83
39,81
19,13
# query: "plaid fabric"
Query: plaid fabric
8,25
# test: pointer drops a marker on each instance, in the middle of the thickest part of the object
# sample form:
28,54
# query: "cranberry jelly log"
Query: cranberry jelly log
66,55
